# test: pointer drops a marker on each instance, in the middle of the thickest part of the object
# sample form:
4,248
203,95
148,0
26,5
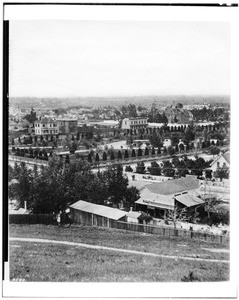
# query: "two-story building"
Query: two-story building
46,126
134,123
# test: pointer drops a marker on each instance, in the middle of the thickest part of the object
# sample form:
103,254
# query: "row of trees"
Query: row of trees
53,188
176,167
32,153
209,114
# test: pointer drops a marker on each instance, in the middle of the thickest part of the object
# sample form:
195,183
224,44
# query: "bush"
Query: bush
128,169
145,218
140,168
155,168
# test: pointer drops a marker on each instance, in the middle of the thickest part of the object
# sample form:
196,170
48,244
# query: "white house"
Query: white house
222,160
46,126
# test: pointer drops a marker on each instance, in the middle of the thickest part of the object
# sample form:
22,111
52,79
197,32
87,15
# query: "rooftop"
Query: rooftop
100,210
139,184
226,155
46,121
189,200
173,186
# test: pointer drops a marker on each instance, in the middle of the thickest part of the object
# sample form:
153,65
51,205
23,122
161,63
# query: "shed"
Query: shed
86,213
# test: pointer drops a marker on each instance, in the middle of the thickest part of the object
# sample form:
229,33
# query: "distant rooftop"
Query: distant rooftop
67,120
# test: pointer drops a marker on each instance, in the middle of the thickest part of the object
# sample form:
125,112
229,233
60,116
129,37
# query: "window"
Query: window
43,125
54,125
125,122
218,164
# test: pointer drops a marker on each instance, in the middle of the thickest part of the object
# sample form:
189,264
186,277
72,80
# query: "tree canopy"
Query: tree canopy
53,188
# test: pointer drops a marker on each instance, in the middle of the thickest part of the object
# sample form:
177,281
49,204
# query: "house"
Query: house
87,213
159,197
134,123
67,126
221,161
46,126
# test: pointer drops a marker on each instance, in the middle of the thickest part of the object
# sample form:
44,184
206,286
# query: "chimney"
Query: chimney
131,209
25,205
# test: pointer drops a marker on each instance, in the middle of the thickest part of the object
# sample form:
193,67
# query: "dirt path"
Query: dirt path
116,249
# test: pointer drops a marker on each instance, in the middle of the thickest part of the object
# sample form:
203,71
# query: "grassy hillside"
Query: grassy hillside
52,262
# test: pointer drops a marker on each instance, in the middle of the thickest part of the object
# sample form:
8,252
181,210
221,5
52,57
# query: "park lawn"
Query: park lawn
120,239
32,261
49,262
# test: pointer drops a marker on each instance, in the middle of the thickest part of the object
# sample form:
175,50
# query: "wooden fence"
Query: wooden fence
89,219
47,219
170,232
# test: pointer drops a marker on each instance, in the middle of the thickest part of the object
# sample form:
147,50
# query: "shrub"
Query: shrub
128,169
140,168
145,218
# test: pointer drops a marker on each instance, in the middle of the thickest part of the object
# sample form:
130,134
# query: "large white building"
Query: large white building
134,123
46,126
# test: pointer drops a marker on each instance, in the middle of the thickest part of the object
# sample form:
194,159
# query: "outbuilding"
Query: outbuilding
86,213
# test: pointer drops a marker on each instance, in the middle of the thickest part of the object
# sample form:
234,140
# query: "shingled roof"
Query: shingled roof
173,186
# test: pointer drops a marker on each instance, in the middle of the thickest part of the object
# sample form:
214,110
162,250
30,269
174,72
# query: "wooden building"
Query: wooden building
91,214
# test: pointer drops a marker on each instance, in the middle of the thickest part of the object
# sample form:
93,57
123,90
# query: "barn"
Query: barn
91,214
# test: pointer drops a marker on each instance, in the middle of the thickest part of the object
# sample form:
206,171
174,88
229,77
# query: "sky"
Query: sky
118,58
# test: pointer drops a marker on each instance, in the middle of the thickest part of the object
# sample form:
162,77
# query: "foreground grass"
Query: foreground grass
49,262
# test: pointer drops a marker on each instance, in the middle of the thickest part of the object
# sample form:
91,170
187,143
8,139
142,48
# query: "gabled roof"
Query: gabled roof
173,186
100,210
225,155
